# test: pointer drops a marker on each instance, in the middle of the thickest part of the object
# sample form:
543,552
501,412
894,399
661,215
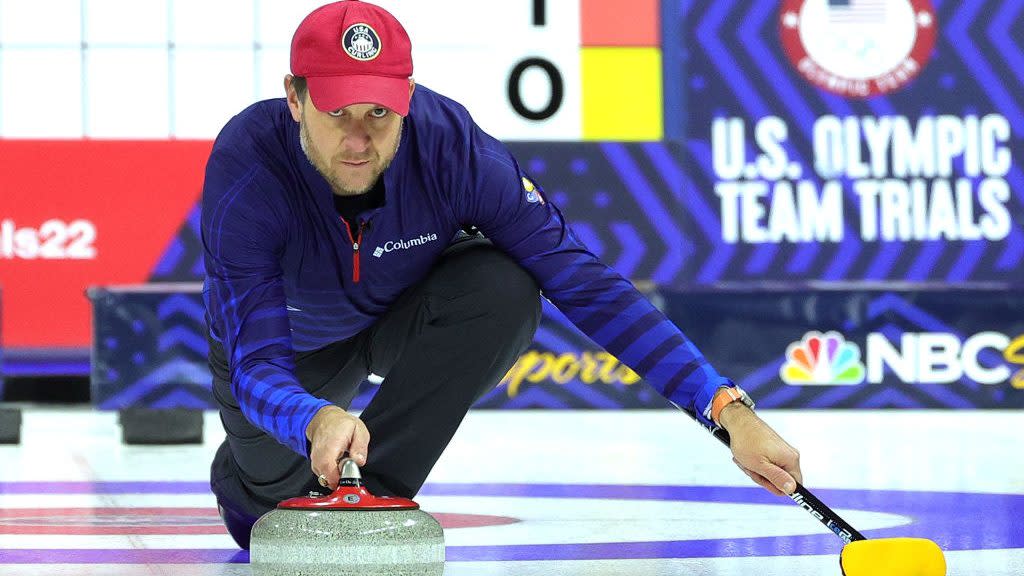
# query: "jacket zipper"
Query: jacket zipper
355,247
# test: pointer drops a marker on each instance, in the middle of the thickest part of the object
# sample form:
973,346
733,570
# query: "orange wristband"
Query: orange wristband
722,398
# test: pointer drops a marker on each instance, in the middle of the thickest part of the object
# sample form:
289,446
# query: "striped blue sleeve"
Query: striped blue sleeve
245,302
511,210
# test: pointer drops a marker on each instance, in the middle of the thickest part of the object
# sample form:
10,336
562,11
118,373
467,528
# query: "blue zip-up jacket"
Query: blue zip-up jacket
284,274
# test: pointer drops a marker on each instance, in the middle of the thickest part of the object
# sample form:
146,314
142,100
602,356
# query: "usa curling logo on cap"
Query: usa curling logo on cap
361,42
858,48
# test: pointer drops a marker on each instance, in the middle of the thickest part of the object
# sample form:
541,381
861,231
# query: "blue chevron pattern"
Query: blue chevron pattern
184,304
159,380
149,350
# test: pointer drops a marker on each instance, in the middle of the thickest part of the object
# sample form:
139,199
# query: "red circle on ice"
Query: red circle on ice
148,521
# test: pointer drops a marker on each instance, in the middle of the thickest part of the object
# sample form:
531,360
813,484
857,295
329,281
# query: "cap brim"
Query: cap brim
335,92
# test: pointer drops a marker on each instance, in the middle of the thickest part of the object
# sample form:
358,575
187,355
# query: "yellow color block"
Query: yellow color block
621,93
893,557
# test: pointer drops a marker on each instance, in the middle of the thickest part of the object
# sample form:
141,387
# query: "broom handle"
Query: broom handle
803,497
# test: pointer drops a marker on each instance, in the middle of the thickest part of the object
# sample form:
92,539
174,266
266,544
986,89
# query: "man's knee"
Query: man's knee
492,282
512,288
239,525
238,508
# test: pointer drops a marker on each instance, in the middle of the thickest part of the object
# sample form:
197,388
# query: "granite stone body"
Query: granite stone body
347,542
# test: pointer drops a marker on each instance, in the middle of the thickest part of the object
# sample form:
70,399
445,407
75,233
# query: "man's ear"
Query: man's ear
293,98
412,86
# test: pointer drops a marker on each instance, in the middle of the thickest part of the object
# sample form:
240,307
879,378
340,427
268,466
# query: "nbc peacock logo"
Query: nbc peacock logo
822,359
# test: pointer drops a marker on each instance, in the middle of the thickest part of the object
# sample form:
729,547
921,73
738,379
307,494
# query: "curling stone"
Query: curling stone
346,533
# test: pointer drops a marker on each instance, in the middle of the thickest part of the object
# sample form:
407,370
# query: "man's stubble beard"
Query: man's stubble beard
323,167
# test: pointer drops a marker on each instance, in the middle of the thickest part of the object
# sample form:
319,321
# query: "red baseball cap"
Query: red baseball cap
353,52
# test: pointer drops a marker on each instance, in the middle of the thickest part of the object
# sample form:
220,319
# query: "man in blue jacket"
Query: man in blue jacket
340,229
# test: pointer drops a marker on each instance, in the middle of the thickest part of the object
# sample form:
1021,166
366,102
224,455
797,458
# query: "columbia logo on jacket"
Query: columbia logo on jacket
392,245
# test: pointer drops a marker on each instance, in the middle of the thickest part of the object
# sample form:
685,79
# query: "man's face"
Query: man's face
350,147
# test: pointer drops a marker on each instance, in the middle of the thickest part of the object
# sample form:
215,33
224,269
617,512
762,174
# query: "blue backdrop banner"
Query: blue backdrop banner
854,140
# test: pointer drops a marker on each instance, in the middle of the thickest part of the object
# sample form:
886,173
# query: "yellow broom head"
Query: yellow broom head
893,557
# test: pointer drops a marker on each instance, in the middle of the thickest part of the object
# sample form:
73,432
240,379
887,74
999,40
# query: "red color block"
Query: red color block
122,200
614,23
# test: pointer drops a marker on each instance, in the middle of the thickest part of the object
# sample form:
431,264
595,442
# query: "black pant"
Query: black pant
444,344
